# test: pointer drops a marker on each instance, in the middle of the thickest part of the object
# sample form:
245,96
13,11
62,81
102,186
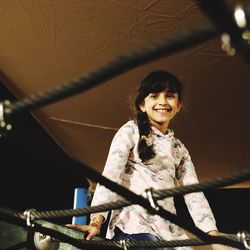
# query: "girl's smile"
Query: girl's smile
161,108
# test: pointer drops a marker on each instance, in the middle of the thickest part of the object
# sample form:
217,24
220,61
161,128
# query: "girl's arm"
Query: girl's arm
119,151
197,203
116,161
93,229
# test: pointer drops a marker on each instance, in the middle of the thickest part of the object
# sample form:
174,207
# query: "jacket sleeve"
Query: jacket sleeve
119,151
196,202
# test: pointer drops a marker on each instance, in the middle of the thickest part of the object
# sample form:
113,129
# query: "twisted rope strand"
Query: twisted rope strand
135,199
116,67
158,195
112,244
122,64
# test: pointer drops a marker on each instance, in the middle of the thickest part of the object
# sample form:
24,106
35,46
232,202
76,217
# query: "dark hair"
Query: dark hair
154,82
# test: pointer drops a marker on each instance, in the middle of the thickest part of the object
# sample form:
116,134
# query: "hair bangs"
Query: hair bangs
158,81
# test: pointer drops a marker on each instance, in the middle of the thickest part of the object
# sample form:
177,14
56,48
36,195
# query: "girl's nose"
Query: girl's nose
163,101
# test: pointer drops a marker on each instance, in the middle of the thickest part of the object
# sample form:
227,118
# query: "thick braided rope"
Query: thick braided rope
243,175
163,213
217,11
139,200
34,105
122,64
157,194
231,240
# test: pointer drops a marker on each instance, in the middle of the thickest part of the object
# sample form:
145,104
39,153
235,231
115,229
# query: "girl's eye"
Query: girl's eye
153,96
170,95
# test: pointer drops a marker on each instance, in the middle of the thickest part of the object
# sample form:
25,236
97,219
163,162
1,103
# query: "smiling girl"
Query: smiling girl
144,154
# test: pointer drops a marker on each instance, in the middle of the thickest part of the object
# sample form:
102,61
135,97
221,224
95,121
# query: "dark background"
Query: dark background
36,173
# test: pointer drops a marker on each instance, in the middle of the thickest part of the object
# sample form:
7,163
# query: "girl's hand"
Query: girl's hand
91,230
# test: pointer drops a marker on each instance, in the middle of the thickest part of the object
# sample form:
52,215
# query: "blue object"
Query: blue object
80,201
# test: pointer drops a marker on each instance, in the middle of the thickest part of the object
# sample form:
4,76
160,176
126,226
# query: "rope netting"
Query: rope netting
203,238
223,21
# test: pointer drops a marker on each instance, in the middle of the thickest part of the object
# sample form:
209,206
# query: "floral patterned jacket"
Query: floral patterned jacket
172,164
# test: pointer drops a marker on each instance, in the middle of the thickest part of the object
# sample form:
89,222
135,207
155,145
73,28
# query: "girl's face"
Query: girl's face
161,107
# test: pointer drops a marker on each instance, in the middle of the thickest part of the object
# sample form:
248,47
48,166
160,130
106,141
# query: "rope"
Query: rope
231,240
205,186
158,195
140,200
83,124
216,10
122,64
